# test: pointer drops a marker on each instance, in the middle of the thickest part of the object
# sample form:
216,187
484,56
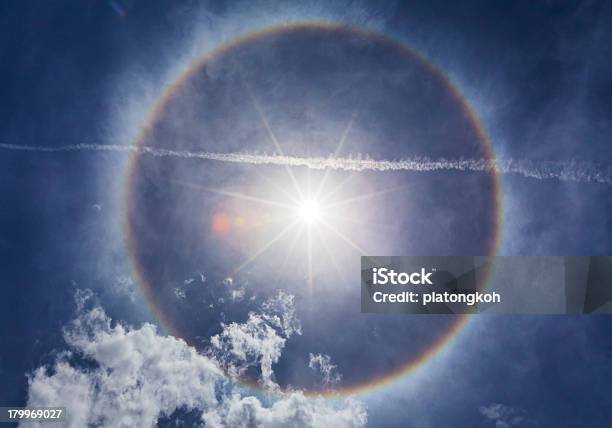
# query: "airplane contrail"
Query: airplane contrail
560,170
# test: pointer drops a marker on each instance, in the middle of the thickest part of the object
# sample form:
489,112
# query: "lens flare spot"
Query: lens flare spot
240,221
221,223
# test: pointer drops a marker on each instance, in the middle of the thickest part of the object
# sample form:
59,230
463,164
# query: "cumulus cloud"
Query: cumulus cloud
503,416
119,376
294,410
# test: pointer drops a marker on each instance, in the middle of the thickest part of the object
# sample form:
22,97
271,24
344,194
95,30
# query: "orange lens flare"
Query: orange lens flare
221,223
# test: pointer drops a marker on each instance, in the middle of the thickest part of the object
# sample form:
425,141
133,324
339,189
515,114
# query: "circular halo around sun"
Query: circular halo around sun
308,90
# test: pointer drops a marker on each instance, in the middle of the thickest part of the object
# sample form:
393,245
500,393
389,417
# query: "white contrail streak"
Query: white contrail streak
560,170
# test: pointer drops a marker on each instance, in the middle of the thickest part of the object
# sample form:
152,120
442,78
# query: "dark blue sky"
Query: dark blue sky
537,73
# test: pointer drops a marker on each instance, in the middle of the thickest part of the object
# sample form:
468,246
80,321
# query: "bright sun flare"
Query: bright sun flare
309,211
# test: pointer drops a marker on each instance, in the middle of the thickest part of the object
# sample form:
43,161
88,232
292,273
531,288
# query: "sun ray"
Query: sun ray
309,180
280,189
296,238
236,195
310,276
347,240
345,133
362,223
271,135
330,255
264,248
338,187
267,222
366,196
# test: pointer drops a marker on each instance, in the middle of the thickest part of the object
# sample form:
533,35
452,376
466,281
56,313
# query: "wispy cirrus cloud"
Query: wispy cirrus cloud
259,341
323,364
573,171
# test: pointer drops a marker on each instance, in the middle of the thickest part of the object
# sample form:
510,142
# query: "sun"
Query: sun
309,211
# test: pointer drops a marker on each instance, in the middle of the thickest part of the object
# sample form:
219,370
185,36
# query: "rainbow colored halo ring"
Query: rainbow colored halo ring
143,277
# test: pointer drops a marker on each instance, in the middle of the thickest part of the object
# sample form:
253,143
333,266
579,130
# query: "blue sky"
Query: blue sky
536,75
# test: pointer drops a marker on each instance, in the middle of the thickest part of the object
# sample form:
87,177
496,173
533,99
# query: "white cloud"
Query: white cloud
238,294
179,293
503,416
52,389
119,376
280,312
123,286
294,410
259,341
573,171
323,364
